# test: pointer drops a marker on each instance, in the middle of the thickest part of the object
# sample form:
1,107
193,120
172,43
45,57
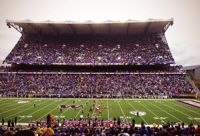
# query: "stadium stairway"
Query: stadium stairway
194,86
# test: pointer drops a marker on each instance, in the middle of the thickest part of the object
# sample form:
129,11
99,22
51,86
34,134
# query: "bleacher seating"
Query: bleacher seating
91,50
132,64
94,84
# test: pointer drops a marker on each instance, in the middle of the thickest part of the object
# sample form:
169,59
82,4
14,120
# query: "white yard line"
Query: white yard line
16,113
136,110
108,109
9,105
187,115
11,109
5,102
152,112
165,111
94,108
185,108
39,109
122,112
65,109
51,111
80,110
46,114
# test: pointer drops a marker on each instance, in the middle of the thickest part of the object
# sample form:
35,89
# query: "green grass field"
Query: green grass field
154,111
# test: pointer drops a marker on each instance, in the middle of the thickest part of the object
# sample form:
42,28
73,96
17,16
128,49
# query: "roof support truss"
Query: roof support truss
109,28
54,28
167,26
72,28
146,29
18,28
127,29
36,29
91,28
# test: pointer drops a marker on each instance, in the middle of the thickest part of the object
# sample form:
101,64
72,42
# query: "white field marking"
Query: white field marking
194,118
192,103
20,112
22,102
108,109
25,116
94,109
122,112
152,112
141,113
67,108
187,115
5,102
136,101
65,102
184,108
165,112
9,105
127,117
15,107
39,109
80,110
37,100
58,100
136,110
50,111
159,118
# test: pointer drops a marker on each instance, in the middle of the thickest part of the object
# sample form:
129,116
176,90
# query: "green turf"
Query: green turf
156,111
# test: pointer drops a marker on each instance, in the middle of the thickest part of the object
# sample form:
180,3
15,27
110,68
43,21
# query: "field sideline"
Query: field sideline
157,111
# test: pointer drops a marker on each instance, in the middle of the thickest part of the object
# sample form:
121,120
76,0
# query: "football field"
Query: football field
157,111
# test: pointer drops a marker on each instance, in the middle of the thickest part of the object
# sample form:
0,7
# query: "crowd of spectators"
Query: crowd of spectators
147,49
5,69
98,129
94,84
91,50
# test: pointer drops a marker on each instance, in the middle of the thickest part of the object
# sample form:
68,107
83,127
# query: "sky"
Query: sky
183,36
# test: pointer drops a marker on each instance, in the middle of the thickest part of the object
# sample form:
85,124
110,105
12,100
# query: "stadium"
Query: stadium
87,78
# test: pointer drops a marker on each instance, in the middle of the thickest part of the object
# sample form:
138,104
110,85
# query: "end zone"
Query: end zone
193,103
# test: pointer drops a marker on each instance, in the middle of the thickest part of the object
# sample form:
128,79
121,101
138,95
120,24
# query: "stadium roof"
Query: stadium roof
90,27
